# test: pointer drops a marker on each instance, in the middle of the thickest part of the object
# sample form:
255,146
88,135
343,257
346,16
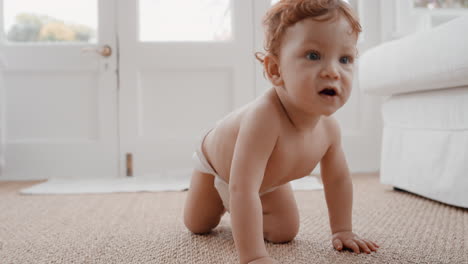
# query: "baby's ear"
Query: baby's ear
271,64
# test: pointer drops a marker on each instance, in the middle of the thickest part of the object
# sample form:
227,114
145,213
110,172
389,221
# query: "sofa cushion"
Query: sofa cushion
433,59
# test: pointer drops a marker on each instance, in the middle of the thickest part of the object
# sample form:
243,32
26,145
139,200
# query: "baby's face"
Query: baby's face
316,64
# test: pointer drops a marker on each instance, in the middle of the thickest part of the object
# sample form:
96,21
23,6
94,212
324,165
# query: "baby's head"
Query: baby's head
286,13
310,47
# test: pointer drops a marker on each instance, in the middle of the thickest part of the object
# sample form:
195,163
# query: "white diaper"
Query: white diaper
201,164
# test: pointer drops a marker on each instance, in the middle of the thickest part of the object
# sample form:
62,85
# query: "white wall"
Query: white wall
361,142
2,118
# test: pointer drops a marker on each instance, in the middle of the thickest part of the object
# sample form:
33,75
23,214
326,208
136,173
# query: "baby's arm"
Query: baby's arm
255,142
339,195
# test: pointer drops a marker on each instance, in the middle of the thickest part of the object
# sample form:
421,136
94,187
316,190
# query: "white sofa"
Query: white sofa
425,114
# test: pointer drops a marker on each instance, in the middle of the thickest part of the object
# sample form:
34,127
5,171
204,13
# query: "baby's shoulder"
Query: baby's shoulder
262,114
331,128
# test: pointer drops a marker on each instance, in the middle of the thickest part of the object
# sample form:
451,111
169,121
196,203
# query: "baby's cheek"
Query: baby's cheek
347,82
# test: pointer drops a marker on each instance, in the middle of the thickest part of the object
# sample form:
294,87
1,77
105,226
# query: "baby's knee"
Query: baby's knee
280,238
283,235
200,227
281,228
198,230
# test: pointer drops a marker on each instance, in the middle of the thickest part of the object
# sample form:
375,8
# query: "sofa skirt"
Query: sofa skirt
425,144
430,163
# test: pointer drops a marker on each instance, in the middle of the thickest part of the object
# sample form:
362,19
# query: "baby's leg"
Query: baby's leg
280,215
203,206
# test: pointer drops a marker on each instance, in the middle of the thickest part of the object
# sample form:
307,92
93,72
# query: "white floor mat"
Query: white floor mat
134,184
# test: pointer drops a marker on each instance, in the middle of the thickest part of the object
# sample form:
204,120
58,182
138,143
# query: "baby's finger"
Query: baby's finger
375,244
363,245
352,245
371,245
337,244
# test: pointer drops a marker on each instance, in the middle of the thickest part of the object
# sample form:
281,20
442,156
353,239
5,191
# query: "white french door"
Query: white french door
59,92
70,109
183,65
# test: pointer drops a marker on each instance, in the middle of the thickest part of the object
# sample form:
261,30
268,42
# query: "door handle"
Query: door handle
104,51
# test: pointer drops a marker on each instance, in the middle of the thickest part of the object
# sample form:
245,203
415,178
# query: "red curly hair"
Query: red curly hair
286,13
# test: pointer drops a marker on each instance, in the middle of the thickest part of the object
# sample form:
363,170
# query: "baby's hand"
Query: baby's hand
352,241
264,260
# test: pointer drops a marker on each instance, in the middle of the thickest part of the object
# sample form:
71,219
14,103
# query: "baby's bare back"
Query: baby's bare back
294,156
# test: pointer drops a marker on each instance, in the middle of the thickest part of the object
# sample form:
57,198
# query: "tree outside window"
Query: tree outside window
30,27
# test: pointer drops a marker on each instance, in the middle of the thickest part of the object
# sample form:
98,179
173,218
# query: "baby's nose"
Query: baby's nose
330,71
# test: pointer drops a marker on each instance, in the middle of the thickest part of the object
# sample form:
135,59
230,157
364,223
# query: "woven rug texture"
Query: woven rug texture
148,228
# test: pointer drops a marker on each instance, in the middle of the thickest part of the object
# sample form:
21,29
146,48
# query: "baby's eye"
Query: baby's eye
346,60
313,56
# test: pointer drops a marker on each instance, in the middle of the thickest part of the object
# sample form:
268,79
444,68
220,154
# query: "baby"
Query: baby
245,163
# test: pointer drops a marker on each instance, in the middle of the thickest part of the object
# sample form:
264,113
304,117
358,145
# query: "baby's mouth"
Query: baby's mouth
328,91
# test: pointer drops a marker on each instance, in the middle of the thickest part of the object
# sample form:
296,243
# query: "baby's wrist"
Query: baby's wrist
341,231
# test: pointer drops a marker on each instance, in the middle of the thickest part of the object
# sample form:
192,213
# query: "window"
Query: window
32,21
432,4
185,20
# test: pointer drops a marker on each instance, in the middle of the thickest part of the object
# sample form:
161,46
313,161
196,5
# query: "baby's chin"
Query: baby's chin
321,112
329,110
328,113
326,110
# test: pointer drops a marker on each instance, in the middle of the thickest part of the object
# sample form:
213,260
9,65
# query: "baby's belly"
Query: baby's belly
283,172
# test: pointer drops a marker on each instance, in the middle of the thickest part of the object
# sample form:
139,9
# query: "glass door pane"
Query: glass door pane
185,20
33,21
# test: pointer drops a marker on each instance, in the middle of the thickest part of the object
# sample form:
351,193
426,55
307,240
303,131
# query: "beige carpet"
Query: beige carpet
148,228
